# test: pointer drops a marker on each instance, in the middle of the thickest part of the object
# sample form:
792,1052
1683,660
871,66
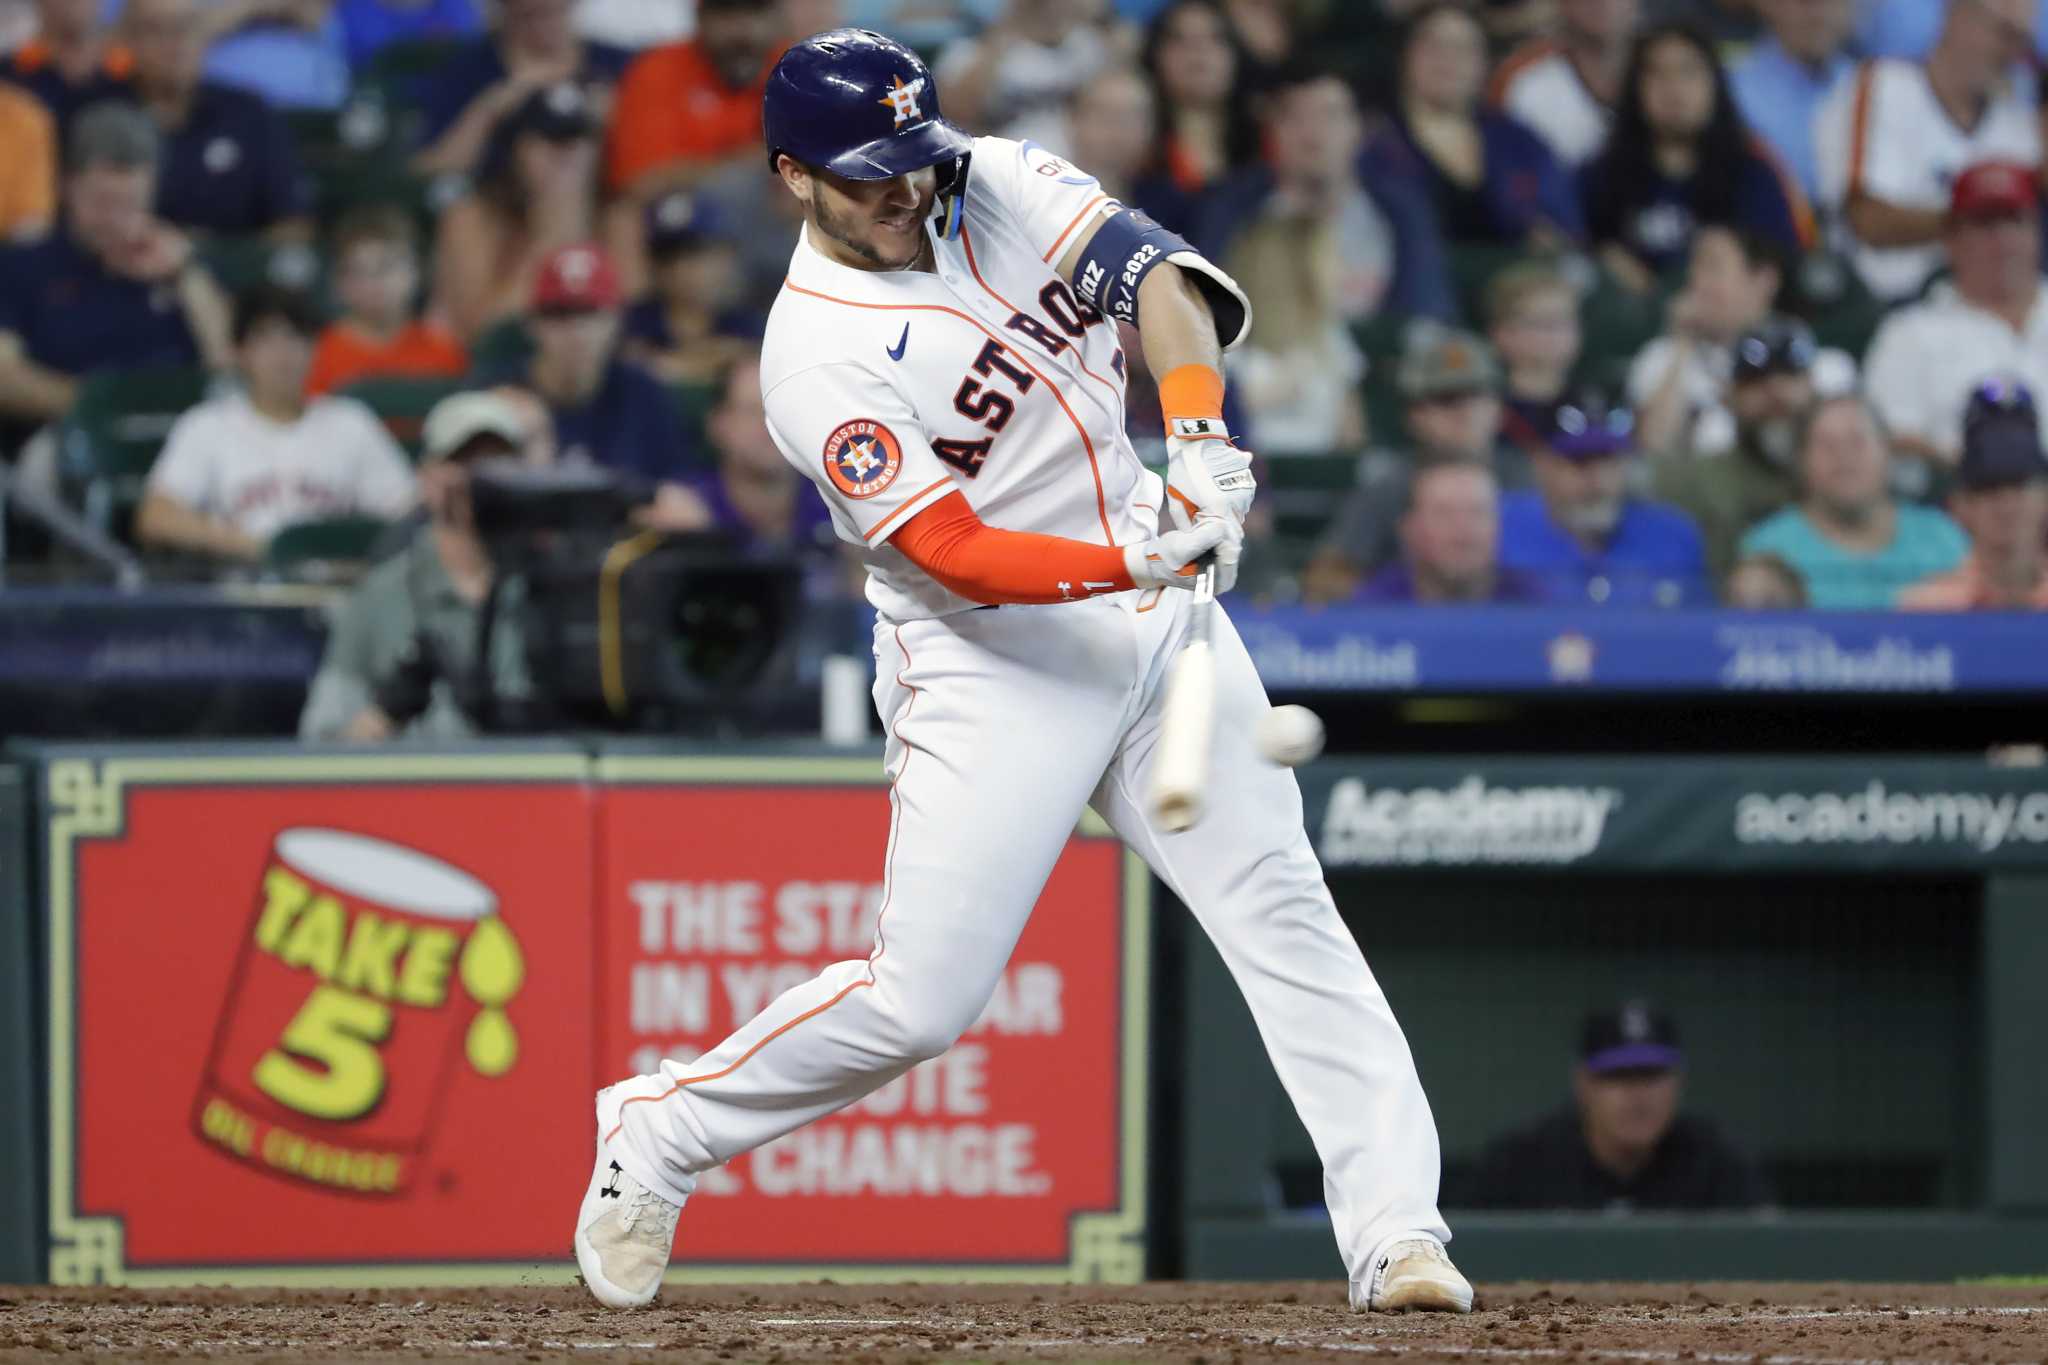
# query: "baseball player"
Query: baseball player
942,363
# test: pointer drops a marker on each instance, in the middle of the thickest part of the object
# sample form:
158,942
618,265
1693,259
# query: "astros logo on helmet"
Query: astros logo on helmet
862,457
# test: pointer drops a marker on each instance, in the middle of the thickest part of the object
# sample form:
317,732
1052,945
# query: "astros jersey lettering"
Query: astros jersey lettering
985,377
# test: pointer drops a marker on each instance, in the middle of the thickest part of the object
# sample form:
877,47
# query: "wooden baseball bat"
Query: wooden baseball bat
1180,764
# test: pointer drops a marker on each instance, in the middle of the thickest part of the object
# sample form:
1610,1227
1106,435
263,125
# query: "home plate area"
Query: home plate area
1754,1324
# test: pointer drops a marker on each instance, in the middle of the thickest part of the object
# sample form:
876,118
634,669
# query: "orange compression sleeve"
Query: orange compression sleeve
984,564
1190,391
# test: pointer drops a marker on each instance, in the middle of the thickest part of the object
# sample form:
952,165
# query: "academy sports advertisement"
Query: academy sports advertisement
325,1013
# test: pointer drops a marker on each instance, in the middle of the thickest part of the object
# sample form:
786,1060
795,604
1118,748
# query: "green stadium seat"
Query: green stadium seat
502,346
1304,492
402,404
242,263
327,540
113,434
694,403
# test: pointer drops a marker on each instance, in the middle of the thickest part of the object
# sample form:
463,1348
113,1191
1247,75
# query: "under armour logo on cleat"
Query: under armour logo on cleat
612,1189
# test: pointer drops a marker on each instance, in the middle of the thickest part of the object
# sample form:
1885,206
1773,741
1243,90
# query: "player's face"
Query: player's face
876,224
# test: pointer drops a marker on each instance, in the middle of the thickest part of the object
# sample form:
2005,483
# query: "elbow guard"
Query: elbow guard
1128,247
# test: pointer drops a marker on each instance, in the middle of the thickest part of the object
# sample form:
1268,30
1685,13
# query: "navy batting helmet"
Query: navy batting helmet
859,105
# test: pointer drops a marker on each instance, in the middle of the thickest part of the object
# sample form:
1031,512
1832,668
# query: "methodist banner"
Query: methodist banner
1708,815
725,883
339,1019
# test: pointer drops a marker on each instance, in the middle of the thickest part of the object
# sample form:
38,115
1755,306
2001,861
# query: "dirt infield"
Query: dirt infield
1754,1324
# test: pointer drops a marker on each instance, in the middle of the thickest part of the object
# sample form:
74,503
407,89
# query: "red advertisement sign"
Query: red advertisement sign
988,1154
332,1023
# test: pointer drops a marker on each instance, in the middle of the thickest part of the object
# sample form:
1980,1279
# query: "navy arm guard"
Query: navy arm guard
1128,247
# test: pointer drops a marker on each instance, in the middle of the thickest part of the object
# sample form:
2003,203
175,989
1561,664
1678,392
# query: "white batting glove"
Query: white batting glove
1204,467
1174,558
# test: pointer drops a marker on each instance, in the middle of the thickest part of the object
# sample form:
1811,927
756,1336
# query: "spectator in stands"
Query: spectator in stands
1679,382
1891,142
604,410
1853,544
535,193
292,54
1769,396
1680,156
1584,537
229,164
686,108
1014,77
1207,128
1532,318
1623,1143
1265,31
1566,87
689,329
1312,213
1784,79
240,468
1905,28
921,24
115,288
638,25
1450,543
379,332
370,26
404,640
1111,130
1986,319
2001,500
1492,180
75,60
1451,384
483,81
1765,582
28,179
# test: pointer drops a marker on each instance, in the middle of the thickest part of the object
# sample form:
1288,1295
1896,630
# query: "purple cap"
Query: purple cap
1634,1037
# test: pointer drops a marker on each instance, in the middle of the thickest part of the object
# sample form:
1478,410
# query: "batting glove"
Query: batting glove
1206,474
1174,558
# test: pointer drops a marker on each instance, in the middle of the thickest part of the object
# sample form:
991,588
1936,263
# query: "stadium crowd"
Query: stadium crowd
1650,302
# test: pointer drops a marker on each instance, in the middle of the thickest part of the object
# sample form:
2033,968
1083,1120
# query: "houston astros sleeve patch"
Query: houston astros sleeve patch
862,457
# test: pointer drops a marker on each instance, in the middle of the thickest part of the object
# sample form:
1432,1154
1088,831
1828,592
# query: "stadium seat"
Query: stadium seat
328,540
503,346
402,404
242,263
113,434
694,403
1304,492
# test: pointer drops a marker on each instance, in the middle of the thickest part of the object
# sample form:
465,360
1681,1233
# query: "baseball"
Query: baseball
1290,735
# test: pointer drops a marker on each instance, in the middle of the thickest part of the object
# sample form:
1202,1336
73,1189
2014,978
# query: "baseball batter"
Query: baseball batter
942,364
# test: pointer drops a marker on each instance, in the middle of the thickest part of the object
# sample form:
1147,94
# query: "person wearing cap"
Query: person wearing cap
377,282
230,165
1623,1144
603,408
1986,320
534,45
688,328
114,288
1892,141
686,107
2001,500
1451,382
239,468
1770,392
1679,382
1584,536
406,636
1850,539
1450,543
535,192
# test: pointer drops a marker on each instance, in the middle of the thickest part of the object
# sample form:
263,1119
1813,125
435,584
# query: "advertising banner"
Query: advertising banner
1706,815
339,1020
310,1014
1018,1150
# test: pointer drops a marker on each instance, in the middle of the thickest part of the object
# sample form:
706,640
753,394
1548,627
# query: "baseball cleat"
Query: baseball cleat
624,1231
1414,1275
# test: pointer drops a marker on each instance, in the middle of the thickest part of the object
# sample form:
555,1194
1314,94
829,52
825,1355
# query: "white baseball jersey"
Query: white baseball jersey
985,376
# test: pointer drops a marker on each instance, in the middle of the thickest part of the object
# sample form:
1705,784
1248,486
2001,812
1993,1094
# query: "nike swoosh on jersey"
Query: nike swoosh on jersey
902,344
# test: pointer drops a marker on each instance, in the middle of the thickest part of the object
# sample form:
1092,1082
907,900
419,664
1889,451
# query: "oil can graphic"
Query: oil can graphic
370,972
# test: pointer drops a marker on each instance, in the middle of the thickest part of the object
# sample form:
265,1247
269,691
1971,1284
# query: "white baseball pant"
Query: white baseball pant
1002,724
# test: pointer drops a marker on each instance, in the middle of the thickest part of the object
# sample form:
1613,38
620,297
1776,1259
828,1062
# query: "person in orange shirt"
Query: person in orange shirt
688,105
377,276
2001,499
28,176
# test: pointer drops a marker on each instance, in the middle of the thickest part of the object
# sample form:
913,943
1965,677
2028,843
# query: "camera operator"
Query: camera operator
410,628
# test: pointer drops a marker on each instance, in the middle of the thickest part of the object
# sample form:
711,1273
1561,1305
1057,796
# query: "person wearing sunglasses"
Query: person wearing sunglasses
1584,537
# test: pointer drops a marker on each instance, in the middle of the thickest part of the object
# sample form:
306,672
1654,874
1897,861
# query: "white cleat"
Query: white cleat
624,1231
1414,1274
